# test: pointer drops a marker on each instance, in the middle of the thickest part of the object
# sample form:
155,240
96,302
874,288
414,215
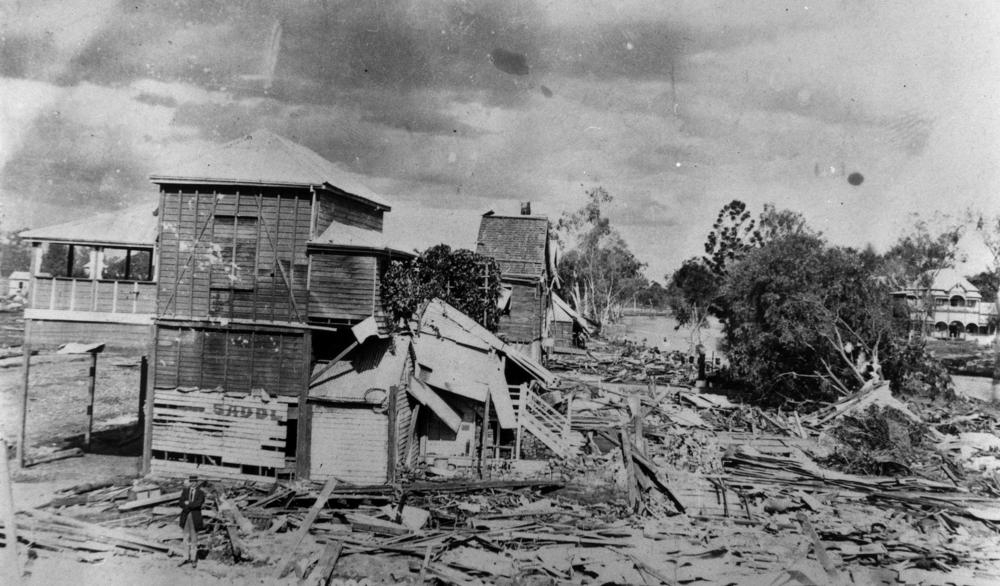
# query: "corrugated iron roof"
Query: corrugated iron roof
263,157
516,242
340,235
133,226
376,364
444,321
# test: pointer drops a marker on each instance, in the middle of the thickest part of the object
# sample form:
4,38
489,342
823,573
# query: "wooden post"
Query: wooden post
392,447
143,390
631,487
147,410
485,432
90,400
303,446
11,563
23,403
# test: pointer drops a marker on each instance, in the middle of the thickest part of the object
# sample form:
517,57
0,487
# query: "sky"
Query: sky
453,108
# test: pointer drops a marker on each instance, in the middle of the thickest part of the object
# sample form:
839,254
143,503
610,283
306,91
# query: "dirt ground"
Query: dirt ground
58,396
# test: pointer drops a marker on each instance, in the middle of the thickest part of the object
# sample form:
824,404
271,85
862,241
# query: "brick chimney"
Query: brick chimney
525,208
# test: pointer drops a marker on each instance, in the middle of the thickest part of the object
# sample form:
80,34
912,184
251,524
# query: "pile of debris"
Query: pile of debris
670,486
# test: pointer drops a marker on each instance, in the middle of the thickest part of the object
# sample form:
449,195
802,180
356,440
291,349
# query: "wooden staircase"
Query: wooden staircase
541,420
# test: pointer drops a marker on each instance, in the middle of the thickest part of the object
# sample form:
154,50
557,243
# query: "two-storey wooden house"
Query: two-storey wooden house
520,245
268,253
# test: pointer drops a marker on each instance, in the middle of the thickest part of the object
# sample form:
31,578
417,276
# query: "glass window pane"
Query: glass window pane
83,267
54,260
115,263
141,265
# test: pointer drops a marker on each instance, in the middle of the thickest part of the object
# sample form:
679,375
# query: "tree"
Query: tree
732,237
468,281
916,259
599,273
988,282
800,316
989,230
15,253
693,295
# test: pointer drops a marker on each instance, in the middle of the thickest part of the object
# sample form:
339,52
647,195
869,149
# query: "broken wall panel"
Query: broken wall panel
235,359
214,433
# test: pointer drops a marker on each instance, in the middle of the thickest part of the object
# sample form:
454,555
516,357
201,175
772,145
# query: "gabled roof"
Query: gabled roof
518,243
264,158
344,236
946,281
133,226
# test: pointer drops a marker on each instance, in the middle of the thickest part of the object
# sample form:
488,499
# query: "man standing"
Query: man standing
191,501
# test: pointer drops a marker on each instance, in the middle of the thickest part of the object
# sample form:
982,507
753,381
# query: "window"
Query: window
127,264
941,301
970,302
235,243
67,260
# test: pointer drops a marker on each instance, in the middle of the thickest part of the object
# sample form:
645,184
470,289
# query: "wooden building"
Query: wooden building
423,395
268,253
94,280
521,246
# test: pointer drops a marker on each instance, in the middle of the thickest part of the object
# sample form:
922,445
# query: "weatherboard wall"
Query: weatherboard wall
232,358
527,310
234,253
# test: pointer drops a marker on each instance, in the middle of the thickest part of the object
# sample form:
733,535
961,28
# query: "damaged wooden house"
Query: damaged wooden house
522,247
93,280
268,254
447,393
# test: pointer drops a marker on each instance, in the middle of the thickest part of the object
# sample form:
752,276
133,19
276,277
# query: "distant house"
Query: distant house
18,283
268,255
950,307
94,280
520,245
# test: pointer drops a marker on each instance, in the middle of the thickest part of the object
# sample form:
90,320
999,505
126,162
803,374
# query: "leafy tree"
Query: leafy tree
733,235
653,296
916,259
988,282
800,316
466,280
599,274
693,295
918,256
989,230
15,254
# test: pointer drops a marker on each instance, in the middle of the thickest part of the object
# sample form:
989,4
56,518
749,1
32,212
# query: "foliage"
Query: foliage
599,274
879,441
468,281
15,254
693,294
913,371
732,237
797,310
652,296
918,256
988,282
